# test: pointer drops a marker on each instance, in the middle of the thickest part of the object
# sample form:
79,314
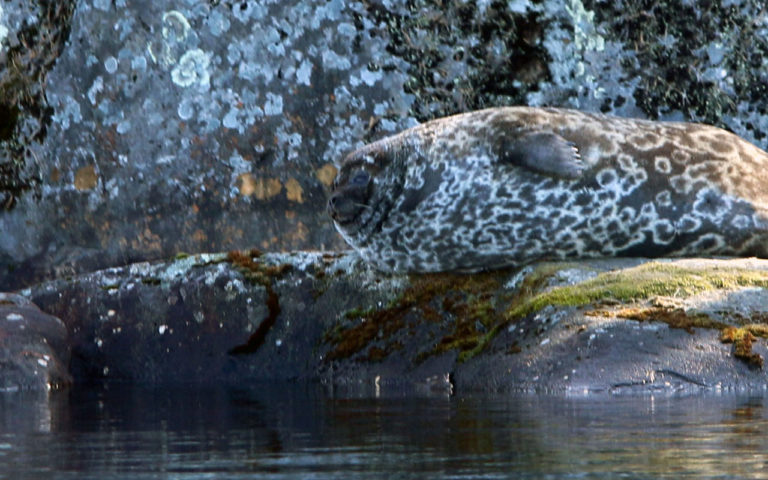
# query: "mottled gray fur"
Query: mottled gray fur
507,186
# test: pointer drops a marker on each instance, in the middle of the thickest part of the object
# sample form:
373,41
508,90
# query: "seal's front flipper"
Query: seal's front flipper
542,152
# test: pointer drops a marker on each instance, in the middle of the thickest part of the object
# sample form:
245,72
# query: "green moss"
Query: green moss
472,309
644,281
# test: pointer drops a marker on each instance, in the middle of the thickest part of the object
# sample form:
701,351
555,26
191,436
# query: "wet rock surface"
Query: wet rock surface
34,348
619,326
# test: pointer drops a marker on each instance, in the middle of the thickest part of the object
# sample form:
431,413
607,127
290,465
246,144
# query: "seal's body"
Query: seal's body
507,186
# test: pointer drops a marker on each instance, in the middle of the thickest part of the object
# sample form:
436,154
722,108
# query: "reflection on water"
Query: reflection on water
290,431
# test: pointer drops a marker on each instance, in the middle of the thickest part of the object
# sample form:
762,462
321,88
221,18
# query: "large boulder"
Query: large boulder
603,325
34,348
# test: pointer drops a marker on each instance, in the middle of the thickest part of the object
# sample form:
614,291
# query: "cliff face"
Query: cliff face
135,130
610,325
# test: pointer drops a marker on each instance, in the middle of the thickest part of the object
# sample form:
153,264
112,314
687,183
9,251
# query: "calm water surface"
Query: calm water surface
310,432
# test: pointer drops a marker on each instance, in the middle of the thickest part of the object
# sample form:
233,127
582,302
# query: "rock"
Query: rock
616,325
34,349
141,129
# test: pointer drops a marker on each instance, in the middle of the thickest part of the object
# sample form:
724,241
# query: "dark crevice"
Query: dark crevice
257,338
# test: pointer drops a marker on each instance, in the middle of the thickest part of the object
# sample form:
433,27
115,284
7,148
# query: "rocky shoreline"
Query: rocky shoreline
613,325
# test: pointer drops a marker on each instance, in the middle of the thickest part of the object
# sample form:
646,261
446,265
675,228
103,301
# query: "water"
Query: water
309,432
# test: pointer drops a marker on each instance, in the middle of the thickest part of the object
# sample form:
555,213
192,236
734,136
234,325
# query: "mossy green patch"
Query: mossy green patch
644,281
648,280
470,310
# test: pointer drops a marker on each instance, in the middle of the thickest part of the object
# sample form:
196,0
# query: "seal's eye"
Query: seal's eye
360,179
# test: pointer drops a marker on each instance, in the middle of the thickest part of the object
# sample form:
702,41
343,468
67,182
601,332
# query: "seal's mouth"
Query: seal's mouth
350,198
345,209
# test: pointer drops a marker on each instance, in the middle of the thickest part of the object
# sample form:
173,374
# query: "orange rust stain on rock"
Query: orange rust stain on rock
246,184
199,236
326,174
299,236
294,192
86,178
147,241
261,188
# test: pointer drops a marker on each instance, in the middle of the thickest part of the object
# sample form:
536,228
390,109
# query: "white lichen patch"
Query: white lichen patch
180,267
175,26
140,269
571,276
165,51
67,111
96,88
111,64
192,69
3,28
273,105
300,260
517,279
304,72
212,275
234,287
186,109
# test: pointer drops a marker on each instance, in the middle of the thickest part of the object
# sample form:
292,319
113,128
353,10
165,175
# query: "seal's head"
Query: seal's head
363,190
349,204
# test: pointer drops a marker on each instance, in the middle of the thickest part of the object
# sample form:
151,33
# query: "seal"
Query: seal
507,186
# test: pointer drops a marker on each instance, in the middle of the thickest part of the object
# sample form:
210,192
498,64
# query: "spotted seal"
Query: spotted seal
507,186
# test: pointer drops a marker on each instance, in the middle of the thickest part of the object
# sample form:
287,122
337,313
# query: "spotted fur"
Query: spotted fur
446,195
